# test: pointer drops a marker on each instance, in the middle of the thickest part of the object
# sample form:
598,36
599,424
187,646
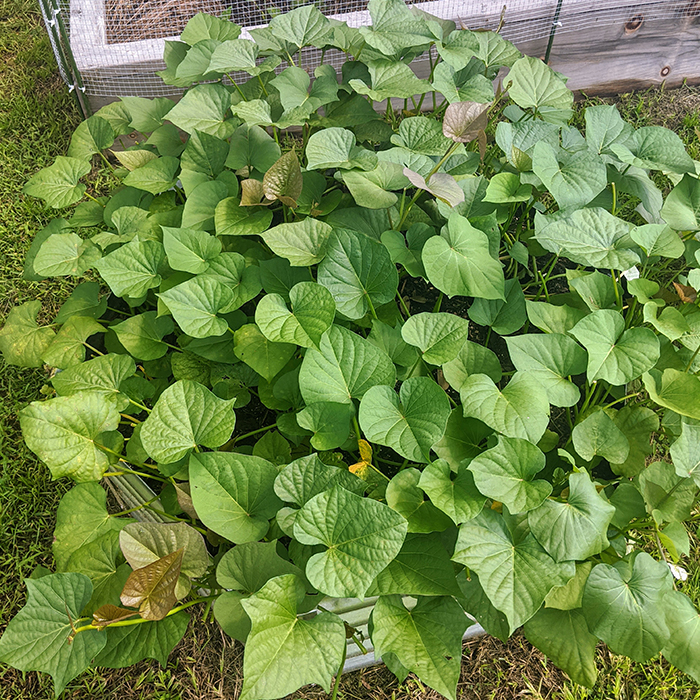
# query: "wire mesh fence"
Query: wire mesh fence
117,45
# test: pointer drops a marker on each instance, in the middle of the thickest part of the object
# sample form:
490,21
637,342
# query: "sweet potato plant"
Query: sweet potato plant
444,358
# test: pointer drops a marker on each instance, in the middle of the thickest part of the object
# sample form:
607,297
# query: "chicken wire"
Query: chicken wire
117,45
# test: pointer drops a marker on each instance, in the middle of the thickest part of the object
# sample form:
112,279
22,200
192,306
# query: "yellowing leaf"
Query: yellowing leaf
365,450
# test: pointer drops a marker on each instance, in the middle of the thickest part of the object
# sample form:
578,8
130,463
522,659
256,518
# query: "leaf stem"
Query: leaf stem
235,439
356,426
403,304
129,418
139,405
117,311
262,85
143,474
617,289
104,158
336,685
372,310
141,620
95,350
360,645
692,358
237,86
131,510
624,398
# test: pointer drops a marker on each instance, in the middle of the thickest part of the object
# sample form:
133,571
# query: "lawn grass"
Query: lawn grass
37,116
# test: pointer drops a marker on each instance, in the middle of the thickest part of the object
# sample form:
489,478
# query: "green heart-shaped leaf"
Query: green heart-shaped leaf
132,269
410,423
458,262
507,473
455,495
573,179
186,415
343,368
440,336
658,239
576,529
231,219
329,422
597,434
63,254
102,561
564,637
656,148
307,477
204,108
334,147
614,354
521,410
127,646
233,494
684,643
515,572
303,243
242,280
358,272
427,640
551,358
589,237
195,304
390,79
22,341
92,136
361,537
623,605
101,375
39,637
266,357
421,568
189,250
64,433
283,651
313,310
405,497
155,176
676,390
681,209
58,185
535,85
200,207
142,335
462,439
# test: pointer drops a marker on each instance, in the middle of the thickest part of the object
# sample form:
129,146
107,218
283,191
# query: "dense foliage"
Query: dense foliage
377,354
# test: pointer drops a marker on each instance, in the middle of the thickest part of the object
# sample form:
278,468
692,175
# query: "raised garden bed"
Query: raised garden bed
603,48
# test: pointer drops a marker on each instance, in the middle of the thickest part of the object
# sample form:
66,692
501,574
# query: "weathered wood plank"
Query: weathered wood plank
614,59
604,47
